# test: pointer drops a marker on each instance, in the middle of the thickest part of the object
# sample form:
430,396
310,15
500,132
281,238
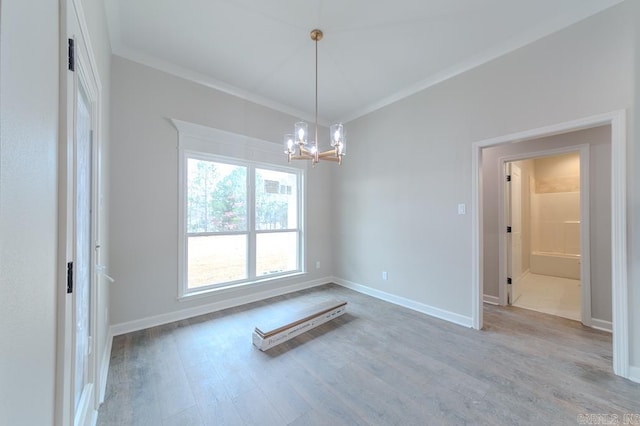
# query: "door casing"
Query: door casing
620,308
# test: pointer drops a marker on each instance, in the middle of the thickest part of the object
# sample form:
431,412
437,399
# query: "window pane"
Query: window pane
277,252
216,259
276,200
216,197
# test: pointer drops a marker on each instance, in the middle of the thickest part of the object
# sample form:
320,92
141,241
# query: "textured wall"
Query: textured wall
28,188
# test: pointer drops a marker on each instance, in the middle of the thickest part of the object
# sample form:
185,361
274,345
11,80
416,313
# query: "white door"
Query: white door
78,229
514,233
82,265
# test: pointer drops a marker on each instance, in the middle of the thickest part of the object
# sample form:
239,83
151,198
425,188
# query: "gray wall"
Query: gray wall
599,140
144,187
28,188
410,162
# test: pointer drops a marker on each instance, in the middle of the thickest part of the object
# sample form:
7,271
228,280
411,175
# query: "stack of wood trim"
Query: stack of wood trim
295,323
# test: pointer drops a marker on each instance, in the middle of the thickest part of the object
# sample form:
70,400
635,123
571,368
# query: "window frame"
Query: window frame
213,149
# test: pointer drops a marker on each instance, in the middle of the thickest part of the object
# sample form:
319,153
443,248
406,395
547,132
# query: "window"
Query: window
241,222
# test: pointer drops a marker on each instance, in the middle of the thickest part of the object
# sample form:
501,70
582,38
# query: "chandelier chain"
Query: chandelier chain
316,117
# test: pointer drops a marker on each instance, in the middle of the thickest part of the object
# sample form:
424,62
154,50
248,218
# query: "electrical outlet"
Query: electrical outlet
385,275
317,264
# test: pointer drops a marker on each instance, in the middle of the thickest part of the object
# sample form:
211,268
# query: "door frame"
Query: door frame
85,70
619,285
585,243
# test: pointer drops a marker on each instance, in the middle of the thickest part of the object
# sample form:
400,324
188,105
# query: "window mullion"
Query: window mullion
301,225
251,213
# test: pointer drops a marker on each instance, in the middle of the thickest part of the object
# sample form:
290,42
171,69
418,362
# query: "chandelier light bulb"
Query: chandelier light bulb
301,132
288,144
342,146
336,134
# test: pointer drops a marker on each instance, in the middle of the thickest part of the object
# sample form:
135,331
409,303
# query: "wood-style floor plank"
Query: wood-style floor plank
376,364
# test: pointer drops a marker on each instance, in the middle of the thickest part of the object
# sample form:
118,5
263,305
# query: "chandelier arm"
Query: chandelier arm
328,154
302,157
305,151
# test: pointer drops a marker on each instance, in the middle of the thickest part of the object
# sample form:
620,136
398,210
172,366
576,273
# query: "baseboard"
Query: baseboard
407,303
602,325
104,367
634,374
492,300
153,321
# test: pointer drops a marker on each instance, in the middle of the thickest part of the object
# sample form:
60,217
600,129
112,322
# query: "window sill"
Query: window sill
234,287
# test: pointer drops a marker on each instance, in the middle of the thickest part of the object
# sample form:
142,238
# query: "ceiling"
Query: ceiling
373,52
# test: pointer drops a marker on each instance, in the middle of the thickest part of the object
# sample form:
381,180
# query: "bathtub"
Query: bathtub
555,264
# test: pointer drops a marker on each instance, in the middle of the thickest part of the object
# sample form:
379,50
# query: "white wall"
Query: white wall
599,141
410,162
28,161
555,201
144,191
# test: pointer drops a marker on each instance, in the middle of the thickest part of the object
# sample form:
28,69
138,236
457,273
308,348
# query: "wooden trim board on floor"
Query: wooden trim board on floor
295,323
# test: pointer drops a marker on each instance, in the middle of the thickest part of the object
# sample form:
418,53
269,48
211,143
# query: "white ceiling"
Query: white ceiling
374,52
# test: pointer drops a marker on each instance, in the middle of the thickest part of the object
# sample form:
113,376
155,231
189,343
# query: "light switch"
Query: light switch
462,208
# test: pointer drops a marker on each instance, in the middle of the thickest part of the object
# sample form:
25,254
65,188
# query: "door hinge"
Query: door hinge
508,280
508,229
69,277
508,178
72,55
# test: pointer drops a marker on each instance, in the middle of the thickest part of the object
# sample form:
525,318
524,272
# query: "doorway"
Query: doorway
618,230
546,230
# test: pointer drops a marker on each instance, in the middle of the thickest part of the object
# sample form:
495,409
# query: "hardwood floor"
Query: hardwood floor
377,364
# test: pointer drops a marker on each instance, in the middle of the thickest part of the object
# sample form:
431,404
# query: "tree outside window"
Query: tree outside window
222,245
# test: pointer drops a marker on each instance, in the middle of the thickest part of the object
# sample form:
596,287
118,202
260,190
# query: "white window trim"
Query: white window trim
197,141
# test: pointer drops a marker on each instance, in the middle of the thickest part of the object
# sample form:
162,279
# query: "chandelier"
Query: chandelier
297,146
